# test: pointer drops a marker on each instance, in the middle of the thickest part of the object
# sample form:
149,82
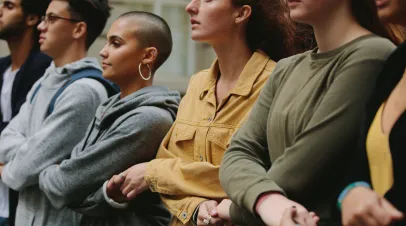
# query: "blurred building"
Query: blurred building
187,56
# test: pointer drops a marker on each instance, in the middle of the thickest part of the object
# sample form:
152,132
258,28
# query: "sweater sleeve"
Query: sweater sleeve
334,124
14,133
77,182
59,134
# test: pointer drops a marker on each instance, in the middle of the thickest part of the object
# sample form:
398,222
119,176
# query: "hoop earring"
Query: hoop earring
150,72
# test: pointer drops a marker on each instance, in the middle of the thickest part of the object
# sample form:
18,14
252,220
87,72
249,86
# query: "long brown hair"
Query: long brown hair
397,32
269,28
366,14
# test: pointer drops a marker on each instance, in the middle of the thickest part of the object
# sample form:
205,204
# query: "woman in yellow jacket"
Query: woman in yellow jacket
248,36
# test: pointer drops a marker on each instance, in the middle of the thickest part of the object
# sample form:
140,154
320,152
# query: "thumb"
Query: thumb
395,214
289,214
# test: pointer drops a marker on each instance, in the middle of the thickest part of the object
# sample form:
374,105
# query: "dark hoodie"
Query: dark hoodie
123,133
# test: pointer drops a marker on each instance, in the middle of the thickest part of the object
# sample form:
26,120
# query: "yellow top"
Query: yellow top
379,156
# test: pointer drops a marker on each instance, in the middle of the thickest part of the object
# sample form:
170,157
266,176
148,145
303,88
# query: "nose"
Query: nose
103,53
193,7
41,26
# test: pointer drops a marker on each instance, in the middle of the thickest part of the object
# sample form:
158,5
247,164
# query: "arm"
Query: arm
131,142
14,134
335,120
74,110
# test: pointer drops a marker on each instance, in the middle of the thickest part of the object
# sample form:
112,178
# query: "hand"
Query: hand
1,169
270,207
291,217
223,209
362,206
134,182
208,210
113,189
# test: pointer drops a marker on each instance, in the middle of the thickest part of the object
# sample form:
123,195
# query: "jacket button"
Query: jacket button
201,158
209,119
184,215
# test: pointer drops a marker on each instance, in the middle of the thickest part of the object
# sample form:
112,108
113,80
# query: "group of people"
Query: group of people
274,133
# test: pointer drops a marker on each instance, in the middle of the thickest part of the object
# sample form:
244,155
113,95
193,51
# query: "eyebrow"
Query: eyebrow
115,37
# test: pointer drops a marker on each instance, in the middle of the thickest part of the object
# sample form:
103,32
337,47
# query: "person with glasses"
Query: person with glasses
18,72
39,137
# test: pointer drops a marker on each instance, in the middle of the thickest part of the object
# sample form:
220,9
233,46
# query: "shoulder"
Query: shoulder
85,89
370,48
148,118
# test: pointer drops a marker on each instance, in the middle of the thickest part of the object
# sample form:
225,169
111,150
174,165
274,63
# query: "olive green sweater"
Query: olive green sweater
303,129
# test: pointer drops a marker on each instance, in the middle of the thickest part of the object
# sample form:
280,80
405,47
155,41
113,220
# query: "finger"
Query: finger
364,219
216,221
289,214
381,216
128,189
203,211
118,179
132,195
395,214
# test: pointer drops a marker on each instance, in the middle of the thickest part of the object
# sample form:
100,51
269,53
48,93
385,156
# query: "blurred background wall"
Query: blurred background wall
188,56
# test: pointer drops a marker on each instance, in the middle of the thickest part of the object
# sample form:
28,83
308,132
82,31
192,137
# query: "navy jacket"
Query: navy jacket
33,69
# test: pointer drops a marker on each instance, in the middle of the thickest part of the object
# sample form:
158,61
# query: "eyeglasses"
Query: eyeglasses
47,19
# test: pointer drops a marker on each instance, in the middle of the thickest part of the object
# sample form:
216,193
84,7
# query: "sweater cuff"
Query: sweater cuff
151,177
110,201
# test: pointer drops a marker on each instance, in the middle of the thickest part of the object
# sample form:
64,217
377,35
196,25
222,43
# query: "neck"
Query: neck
20,48
71,54
232,57
127,88
337,29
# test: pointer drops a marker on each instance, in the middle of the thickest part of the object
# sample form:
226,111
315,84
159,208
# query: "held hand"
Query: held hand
291,217
134,182
223,209
208,215
113,188
362,206
271,207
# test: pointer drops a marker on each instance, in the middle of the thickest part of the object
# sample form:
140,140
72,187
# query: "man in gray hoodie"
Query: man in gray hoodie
37,138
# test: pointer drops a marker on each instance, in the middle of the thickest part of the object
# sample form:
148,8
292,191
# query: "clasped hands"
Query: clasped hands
127,185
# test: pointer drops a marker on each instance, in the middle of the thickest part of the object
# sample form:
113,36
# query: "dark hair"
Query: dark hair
94,13
154,32
269,28
37,8
366,14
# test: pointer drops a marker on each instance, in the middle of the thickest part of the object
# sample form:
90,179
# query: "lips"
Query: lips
381,3
104,64
194,22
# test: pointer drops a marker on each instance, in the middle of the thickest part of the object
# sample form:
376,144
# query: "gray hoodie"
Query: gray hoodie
32,142
123,133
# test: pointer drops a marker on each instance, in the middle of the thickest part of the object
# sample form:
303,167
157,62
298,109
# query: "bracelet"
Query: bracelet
110,201
347,189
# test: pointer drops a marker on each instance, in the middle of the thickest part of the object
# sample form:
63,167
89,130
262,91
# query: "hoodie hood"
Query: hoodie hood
54,76
151,96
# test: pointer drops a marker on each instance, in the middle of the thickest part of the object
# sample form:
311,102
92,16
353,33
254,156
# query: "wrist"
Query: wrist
348,189
262,198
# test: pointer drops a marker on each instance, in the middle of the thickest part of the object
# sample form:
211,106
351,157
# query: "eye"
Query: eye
8,5
116,44
51,19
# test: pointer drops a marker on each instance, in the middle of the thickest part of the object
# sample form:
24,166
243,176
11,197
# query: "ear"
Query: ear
243,14
80,30
150,55
32,20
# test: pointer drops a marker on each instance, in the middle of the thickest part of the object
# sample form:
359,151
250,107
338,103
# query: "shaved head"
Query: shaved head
151,31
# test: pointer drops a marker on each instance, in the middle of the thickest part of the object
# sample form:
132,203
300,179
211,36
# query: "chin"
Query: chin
298,16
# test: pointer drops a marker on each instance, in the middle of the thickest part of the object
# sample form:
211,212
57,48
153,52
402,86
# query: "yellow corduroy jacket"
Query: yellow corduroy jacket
186,169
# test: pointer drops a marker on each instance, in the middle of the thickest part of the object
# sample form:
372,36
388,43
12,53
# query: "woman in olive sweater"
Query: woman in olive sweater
294,147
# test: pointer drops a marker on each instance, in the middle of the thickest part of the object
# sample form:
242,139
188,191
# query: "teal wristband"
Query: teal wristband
347,189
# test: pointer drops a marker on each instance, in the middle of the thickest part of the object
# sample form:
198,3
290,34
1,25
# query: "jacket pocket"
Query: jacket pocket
219,140
184,141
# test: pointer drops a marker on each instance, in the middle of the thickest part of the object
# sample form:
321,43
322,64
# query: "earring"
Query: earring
150,73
